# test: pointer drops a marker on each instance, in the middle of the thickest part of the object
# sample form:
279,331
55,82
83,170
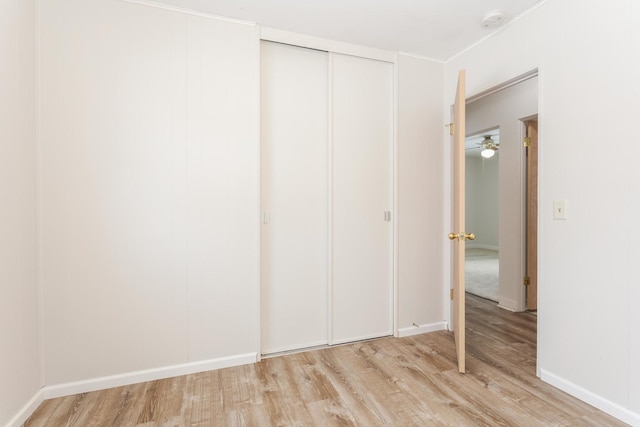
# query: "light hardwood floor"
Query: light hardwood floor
392,381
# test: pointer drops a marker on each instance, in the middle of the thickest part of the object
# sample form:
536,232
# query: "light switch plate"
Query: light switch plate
559,209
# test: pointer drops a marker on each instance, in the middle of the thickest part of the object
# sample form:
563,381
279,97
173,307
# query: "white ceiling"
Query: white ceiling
436,29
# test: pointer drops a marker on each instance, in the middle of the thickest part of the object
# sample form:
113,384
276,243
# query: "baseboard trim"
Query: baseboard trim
422,329
507,304
101,383
26,411
481,246
611,408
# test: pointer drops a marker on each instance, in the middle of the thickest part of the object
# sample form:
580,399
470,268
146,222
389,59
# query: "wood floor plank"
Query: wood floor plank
409,381
105,410
353,393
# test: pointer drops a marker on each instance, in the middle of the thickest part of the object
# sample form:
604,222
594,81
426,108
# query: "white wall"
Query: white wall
472,186
20,369
150,164
588,326
632,330
150,191
506,109
482,213
420,196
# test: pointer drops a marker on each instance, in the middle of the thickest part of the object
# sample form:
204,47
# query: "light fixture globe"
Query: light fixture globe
487,153
489,147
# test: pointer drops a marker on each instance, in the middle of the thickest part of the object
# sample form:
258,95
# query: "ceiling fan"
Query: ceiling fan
489,147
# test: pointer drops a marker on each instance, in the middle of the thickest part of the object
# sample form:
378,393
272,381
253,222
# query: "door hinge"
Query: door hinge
452,127
526,141
451,293
526,281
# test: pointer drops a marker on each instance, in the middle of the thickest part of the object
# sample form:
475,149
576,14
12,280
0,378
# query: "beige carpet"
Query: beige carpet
481,273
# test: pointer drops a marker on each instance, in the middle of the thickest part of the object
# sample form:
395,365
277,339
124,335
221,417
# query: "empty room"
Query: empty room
252,212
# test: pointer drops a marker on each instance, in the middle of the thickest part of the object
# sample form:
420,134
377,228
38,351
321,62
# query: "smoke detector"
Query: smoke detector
493,19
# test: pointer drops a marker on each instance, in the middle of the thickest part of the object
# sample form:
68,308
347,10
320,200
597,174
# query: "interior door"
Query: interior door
458,236
362,263
532,215
294,162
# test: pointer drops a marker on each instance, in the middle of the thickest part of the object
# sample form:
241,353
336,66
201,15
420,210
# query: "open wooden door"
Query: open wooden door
458,236
532,216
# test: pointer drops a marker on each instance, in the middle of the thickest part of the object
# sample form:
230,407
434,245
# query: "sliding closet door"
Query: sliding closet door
294,108
362,287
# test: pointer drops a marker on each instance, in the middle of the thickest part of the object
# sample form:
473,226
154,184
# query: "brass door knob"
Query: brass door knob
470,236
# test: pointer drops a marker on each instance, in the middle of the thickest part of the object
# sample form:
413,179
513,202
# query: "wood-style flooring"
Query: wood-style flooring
387,382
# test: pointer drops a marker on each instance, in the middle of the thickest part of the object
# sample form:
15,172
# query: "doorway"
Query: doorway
531,278
511,111
506,109
482,256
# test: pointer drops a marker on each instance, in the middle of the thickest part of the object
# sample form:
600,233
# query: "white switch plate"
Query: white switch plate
559,209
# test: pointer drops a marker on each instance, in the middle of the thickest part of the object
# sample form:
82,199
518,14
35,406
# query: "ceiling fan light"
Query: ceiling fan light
487,153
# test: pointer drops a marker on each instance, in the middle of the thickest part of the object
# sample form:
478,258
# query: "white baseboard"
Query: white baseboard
101,383
422,329
481,246
611,408
507,304
26,410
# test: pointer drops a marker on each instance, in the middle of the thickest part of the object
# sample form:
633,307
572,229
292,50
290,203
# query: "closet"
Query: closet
326,197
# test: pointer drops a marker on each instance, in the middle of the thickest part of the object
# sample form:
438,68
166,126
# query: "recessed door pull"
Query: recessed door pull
387,216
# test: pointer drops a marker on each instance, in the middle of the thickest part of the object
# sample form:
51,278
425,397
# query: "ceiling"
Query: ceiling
437,29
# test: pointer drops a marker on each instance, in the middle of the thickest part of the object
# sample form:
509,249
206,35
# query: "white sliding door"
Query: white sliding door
327,260
362,116
294,134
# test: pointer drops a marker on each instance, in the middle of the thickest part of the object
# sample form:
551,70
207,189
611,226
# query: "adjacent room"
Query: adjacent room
482,213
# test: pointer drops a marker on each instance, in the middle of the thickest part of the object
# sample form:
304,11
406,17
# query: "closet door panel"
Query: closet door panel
294,135
362,116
